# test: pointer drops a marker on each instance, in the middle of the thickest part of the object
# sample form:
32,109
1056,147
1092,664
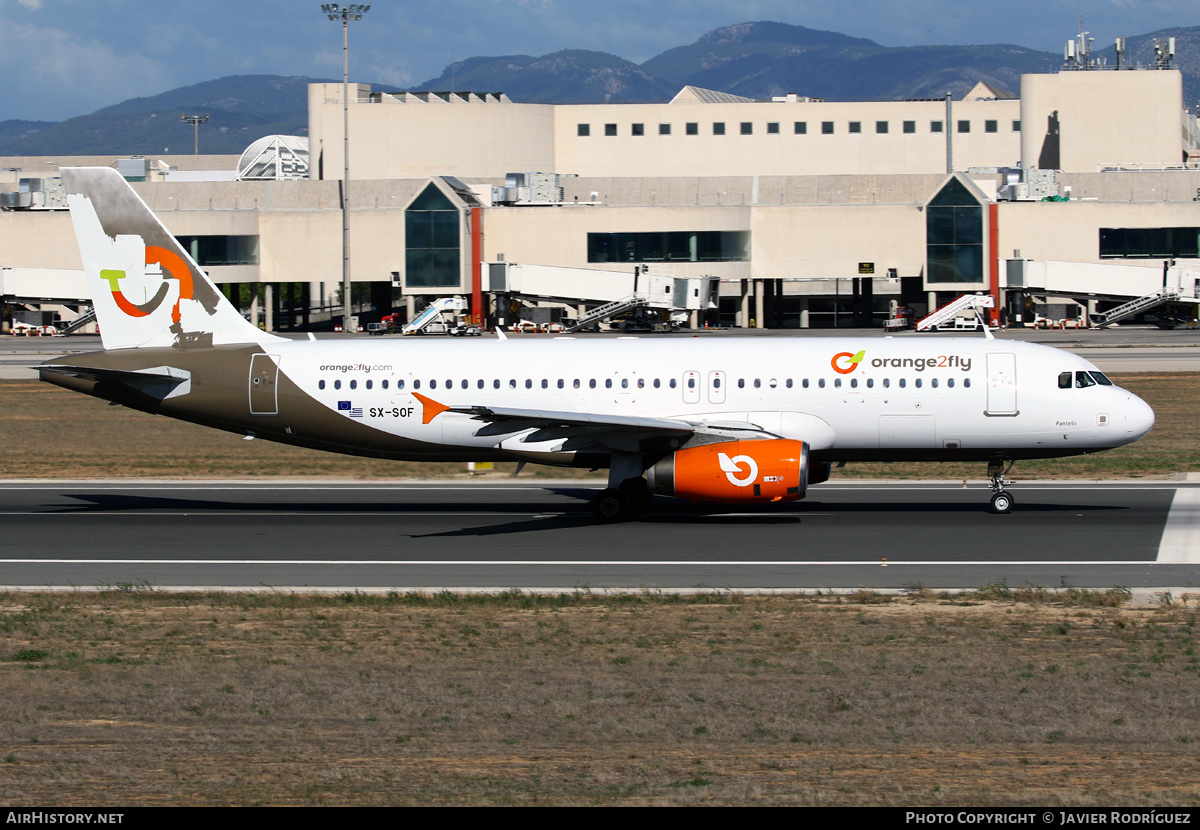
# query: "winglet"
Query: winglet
430,408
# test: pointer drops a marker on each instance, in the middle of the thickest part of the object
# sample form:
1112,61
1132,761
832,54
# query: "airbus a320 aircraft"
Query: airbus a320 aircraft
733,420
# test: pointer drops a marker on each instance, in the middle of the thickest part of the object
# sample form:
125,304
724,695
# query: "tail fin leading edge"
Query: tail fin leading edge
146,290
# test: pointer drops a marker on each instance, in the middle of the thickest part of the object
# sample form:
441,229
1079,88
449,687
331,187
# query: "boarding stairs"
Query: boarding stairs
79,322
952,309
604,312
434,313
1104,319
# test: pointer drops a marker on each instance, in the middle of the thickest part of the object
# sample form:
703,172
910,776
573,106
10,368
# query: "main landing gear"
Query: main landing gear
618,503
1002,500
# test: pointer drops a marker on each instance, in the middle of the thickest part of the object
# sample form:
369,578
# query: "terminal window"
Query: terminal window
669,246
747,128
991,126
664,129
1142,243
691,128
610,129
772,128
826,128
583,130
800,128
431,241
221,250
954,236
856,126
718,128
964,126
881,126
1016,126
638,129
910,127
935,126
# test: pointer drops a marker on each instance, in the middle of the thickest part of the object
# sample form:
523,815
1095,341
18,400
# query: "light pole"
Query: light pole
196,121
346,13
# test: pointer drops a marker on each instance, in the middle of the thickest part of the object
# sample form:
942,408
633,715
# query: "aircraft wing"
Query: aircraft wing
584,430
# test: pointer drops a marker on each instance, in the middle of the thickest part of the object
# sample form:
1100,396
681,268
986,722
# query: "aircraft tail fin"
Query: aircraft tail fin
146,290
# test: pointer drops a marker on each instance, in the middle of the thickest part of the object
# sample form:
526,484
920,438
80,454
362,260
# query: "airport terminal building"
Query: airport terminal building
806,213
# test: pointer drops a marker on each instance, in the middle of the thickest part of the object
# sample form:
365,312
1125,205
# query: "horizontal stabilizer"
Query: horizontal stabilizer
159,383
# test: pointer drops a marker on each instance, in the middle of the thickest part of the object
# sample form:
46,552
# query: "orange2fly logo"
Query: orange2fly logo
849,362
173,267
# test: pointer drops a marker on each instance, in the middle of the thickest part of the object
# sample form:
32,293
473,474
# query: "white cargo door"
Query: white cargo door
1002,384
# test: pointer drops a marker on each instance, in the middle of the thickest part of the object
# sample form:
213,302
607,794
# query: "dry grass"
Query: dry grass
1001,698
53,433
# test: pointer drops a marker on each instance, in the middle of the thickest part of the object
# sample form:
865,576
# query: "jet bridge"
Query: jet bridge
1141,287
607,293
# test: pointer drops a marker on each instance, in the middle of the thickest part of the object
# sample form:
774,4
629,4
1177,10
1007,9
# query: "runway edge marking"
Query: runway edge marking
1180,543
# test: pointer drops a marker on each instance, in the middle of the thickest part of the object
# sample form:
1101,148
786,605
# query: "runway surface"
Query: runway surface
498,535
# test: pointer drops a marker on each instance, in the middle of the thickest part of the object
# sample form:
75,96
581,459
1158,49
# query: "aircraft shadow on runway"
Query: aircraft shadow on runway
571,514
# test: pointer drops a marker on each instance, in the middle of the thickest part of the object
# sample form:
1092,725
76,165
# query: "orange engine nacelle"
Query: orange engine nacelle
761,470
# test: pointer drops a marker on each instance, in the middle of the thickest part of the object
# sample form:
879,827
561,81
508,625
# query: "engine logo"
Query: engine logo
732,466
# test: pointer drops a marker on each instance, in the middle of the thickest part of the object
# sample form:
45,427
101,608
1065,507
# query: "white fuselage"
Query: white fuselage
904,397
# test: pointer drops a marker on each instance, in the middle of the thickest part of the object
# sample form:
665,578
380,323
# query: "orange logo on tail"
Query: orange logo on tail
173,267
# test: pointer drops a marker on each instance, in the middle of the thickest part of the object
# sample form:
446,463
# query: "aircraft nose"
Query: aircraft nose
1139,418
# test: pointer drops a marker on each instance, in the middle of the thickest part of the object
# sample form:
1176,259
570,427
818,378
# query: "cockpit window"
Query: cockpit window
1102,379
1083,379
1064,380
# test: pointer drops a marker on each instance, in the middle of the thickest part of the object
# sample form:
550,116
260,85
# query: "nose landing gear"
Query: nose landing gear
1002,500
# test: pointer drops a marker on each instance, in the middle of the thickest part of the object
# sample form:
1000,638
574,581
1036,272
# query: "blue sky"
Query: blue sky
62,58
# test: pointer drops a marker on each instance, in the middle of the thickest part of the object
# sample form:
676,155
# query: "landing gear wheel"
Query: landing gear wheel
1002,500
609,506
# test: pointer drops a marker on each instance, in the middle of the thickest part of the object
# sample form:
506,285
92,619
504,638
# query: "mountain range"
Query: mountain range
755,60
